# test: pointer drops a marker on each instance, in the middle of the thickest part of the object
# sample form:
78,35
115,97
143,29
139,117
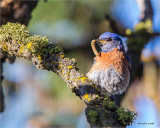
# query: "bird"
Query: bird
111,68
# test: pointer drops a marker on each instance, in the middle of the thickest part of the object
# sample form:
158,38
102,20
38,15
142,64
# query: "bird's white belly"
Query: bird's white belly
110,81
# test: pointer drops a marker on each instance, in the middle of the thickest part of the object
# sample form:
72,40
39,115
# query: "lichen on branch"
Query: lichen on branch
16,41
101,111
141,34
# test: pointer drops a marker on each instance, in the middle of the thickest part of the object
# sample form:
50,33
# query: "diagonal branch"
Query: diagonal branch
100,111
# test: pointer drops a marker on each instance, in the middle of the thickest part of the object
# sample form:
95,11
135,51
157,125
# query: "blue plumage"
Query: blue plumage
110,41
111,68
110,35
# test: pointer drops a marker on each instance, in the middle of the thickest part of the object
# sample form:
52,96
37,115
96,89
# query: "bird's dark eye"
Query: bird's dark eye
109,39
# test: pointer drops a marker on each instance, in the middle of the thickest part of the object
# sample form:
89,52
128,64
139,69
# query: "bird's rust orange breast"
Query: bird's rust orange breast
115,58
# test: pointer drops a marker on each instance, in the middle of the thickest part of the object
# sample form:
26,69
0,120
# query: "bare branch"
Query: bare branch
116,27
146,10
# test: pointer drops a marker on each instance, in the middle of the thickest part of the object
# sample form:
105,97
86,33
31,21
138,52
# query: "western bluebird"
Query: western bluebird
110,70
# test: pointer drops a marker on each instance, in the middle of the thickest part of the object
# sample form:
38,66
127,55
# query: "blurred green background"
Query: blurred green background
71,24
38,99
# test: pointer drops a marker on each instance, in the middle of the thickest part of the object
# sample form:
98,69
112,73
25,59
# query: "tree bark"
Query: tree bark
13,11
146,10
100,111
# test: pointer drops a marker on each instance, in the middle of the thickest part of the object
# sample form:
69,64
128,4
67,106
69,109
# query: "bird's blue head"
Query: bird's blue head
108,41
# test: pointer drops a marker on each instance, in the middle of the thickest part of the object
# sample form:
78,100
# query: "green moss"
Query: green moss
14,31
144,26
92,114
141,34
17,34
110,104
125,117
58,49
107,112
104,103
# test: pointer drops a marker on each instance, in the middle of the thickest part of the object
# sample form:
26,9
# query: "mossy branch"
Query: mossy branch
101,111
141,34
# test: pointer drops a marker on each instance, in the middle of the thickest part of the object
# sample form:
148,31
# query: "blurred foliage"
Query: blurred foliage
141,34
93,114
78,11
70,23
81,14
73,24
